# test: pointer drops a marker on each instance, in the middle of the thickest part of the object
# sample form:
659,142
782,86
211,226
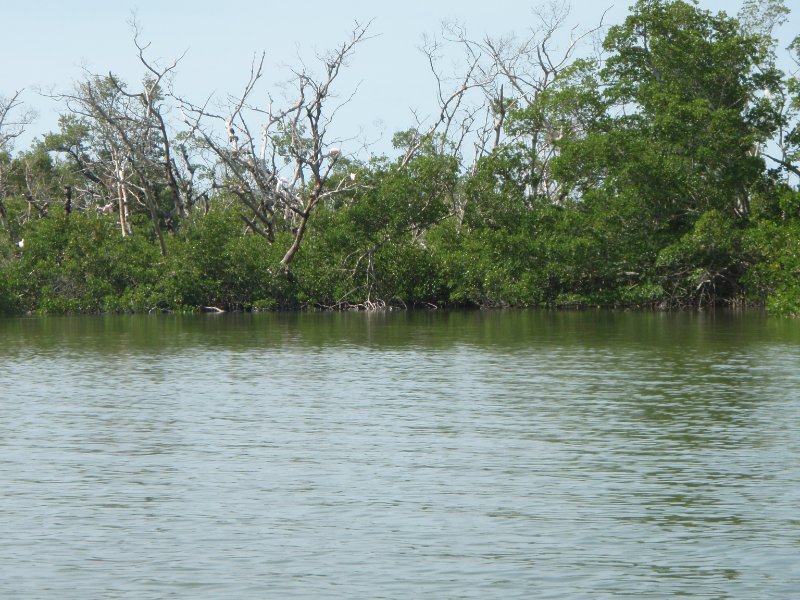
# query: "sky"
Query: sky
46,46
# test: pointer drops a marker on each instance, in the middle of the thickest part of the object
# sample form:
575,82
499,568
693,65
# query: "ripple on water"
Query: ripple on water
505,457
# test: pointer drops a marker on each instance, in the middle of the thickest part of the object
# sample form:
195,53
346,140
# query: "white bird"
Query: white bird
528,191
21,243
352,176
334,152
107,208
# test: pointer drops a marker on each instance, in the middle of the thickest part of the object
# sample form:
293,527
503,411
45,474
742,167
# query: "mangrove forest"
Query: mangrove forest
658,167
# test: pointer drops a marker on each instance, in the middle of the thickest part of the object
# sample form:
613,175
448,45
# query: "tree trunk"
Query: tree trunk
298,238
156,225
123,208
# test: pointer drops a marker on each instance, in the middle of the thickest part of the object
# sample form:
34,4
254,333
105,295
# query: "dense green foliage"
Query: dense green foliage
671,181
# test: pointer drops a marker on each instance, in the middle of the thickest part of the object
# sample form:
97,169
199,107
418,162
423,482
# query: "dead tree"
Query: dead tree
114,142
504,74
282,169
178,174
133,153
12,125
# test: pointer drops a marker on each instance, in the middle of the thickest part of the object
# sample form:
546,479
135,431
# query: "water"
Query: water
458,455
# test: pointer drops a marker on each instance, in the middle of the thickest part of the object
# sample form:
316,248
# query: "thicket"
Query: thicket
662,172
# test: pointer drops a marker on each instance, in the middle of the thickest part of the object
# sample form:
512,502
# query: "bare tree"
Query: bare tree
178,171
501,74
456,117
133,155
12,125
104,137
287,167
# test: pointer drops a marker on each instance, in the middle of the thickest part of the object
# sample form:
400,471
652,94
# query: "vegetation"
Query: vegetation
661,172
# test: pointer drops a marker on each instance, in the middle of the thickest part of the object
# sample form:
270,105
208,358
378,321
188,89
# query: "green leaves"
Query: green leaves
636,178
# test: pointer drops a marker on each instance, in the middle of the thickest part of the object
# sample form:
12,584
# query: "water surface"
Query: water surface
440,455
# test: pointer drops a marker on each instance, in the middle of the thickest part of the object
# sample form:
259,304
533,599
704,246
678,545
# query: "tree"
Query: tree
121,145
11,127
386,223
119,139
283,174
502,83
678,137
785,98
792,150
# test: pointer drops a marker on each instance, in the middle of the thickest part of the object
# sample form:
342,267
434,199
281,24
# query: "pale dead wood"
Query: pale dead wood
283,169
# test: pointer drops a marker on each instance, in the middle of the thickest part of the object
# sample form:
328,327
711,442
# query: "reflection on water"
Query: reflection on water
474,455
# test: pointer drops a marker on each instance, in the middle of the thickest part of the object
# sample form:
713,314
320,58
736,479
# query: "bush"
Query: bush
774,276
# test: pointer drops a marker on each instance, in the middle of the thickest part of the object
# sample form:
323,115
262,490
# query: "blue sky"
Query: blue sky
46,43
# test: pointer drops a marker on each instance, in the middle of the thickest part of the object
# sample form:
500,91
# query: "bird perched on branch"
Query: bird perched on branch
232,137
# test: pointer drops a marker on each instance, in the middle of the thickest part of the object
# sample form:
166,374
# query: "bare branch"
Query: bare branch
498,76
281,174
12,127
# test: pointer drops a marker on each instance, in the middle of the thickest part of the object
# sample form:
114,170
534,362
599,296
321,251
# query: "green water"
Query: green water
439,455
